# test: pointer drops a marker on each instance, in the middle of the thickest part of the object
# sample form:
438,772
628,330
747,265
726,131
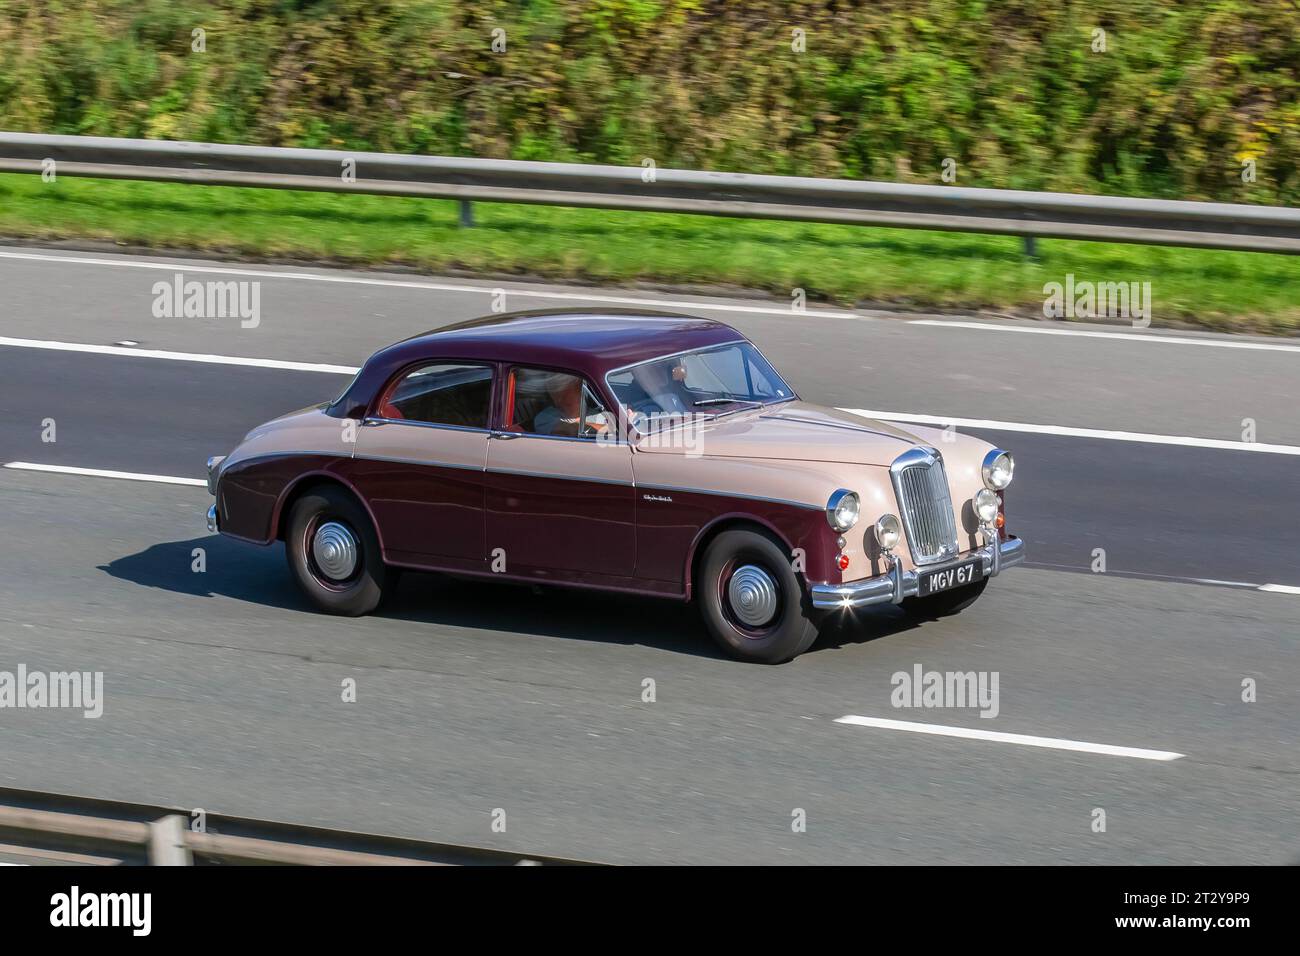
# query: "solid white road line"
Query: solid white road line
1280,588
1154,337
177,356
1072,432
435,286
1053,743
101,473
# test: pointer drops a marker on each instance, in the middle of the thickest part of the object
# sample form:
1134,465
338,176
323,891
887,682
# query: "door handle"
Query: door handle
505,436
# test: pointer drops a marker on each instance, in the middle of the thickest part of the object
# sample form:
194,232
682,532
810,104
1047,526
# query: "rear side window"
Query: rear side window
443,393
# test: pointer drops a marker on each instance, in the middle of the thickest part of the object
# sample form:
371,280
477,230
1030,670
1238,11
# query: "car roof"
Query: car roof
589,342
607,339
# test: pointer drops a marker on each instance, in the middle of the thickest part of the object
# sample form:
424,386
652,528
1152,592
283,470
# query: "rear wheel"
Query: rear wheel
751,600
333,552
945,602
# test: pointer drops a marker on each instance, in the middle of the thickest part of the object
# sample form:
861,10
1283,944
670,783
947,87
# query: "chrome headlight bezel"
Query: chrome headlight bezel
888,531
843,498
986,499
214,472
993,468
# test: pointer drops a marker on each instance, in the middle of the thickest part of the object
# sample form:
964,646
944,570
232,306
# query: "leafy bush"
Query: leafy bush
1013,91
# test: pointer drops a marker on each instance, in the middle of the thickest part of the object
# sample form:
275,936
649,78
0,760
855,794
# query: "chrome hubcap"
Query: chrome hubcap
752,594
334,549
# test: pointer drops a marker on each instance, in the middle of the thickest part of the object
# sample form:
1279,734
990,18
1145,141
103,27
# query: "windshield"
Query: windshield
713,381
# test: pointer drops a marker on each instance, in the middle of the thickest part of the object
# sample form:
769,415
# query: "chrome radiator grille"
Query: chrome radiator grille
921,485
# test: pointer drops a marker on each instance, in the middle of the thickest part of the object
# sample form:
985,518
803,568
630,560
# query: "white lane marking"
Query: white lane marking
1071,432
1280,588
177,356
437,286
1053,743
101,473
939,420
1156,338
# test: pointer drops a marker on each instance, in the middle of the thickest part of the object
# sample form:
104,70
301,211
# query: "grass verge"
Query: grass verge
845,265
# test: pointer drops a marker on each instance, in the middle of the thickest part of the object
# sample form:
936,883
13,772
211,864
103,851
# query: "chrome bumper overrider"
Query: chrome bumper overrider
893,586
212,518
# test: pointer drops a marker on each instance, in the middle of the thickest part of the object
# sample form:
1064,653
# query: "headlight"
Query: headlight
997,469
986,505
214,470
842,510
888,532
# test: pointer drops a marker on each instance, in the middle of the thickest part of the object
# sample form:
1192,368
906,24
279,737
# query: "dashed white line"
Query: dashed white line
1069,431
1052,743
435,286
1151,338
1280,588
177,356
102,473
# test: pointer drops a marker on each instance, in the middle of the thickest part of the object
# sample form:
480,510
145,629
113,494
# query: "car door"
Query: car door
420,459
559,494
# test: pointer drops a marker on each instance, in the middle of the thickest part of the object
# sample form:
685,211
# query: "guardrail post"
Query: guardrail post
1031,248
167,845
466,213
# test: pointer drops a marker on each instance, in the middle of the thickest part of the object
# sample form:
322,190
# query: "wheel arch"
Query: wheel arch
316,479
728,522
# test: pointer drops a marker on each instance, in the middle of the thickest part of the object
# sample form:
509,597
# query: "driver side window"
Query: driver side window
557,404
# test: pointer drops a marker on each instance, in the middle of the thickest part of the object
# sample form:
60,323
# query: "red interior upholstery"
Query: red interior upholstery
385,408
511,424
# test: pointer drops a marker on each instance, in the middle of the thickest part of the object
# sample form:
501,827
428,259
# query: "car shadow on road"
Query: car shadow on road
259,575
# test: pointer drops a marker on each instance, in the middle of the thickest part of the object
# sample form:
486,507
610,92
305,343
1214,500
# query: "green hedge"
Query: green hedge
1013,91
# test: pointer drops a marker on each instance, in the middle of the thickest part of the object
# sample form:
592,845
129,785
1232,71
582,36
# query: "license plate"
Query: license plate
953,576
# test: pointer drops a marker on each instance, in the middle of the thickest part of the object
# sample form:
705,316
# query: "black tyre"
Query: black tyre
751,600
945,602
334,554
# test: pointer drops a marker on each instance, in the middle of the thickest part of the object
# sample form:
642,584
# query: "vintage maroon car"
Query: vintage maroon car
632,451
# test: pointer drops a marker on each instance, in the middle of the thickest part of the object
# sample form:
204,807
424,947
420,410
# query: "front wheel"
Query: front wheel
945,602
333,552
751,600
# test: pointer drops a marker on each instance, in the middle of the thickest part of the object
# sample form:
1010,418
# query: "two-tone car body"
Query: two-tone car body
641,452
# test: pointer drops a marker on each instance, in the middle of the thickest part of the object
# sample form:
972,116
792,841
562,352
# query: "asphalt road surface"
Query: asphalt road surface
223,690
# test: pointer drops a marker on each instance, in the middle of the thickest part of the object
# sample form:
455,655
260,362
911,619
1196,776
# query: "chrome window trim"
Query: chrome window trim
410,369
511,367
587,439
372,420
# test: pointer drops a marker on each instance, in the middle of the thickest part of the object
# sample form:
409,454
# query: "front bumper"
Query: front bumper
214,474
896,584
